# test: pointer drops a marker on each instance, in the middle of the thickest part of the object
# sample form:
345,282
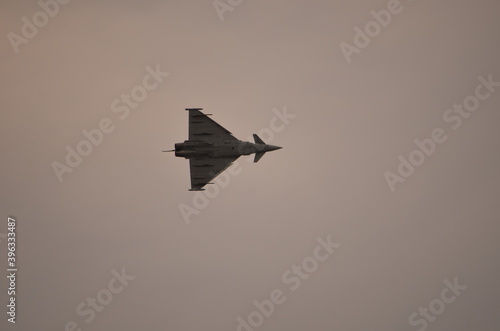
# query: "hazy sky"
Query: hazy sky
102,241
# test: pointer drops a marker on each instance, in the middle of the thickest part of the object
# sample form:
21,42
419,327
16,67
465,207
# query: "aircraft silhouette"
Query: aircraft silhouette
211,148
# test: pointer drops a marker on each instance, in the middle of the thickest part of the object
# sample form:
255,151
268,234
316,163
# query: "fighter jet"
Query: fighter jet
211,148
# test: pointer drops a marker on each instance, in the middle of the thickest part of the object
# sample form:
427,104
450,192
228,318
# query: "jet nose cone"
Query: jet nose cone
272,147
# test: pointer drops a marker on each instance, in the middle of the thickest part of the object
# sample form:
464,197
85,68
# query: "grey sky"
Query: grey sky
120,207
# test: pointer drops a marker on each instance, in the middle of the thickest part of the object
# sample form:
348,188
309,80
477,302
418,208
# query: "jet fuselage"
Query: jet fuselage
219,148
